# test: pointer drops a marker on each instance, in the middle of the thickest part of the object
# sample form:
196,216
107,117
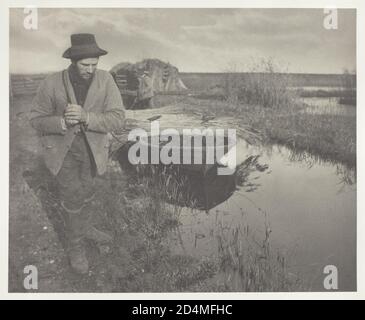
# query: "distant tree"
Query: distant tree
349,79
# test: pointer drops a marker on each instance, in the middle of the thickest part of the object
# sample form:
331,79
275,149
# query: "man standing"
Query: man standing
74,111
145,91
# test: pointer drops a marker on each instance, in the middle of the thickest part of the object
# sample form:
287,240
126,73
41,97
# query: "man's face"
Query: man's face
86,67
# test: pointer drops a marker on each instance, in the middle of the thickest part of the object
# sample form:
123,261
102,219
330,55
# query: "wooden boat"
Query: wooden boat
198,185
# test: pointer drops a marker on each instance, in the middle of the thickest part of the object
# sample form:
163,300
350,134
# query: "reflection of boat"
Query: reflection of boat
212,189
191,185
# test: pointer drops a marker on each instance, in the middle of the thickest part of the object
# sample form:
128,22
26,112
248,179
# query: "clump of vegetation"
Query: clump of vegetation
348,80
265,85
348,95
330,137
250,265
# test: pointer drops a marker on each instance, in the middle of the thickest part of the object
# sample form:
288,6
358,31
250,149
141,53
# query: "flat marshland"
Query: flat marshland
242,244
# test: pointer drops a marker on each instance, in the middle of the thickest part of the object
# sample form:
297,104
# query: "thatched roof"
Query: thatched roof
121,66
164,76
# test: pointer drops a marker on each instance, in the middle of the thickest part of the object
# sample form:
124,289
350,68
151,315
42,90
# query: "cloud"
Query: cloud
206,40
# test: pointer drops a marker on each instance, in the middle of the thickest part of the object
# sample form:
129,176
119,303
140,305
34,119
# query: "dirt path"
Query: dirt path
32,237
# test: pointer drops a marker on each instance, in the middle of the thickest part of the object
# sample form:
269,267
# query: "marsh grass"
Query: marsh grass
265,85
247,263
332,137
266,104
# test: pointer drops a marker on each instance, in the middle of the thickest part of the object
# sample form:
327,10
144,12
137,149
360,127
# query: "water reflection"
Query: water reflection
196,190
309,203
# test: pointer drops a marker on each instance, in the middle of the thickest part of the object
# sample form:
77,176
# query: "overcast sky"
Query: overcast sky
194,40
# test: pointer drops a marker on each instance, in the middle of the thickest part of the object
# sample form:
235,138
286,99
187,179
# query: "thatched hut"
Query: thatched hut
164,76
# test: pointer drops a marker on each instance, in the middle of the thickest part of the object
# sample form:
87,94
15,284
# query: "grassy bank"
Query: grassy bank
329,137
278,117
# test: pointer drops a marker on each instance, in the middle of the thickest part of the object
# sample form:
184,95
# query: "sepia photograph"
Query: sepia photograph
162,150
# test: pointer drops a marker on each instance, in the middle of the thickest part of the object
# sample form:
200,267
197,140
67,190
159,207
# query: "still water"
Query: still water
309,205
328,106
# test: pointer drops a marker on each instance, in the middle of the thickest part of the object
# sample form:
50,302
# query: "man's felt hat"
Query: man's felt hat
83,45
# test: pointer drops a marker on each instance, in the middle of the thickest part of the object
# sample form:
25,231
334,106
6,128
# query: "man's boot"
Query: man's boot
77,225
98,236
77,257
92,233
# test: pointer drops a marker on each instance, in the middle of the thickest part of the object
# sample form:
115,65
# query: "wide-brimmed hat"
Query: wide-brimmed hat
83,45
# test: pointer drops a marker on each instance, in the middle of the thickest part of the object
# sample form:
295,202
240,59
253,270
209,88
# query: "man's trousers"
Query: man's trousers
76,187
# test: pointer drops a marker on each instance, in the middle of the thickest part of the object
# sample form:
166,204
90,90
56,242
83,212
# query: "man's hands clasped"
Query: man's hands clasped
75,114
